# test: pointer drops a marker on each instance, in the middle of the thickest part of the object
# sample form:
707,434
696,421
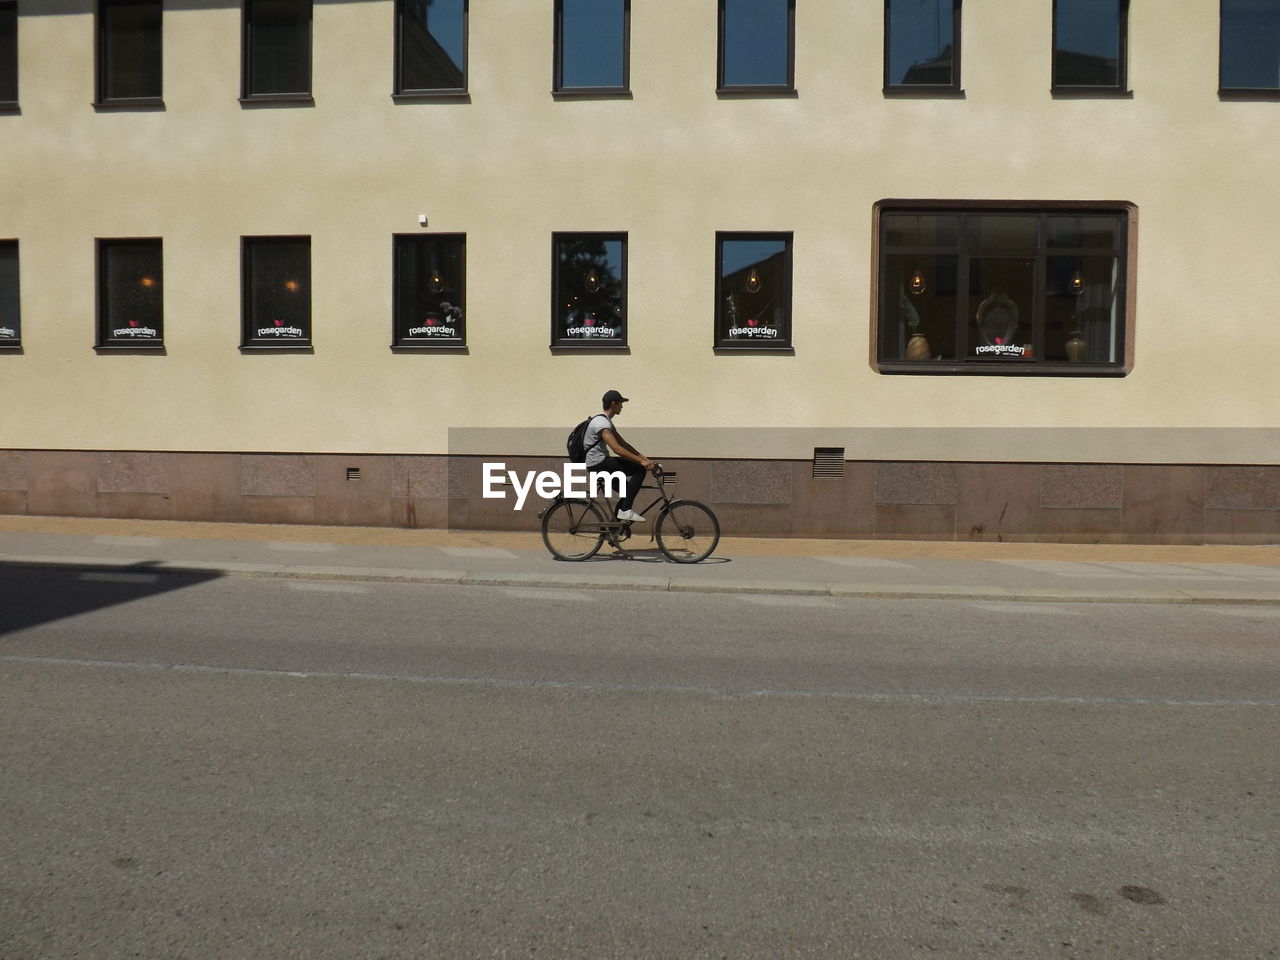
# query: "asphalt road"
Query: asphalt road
197,766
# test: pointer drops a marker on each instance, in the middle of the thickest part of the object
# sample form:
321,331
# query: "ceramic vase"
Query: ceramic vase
918,347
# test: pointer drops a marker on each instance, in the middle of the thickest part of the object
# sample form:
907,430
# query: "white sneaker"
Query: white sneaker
631,516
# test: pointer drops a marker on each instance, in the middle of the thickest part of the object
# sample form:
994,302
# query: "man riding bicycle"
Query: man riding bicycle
601,437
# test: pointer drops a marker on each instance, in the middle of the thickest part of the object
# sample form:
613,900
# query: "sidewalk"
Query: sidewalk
848,568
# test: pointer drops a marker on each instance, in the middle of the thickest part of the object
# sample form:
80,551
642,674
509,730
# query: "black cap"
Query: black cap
613,396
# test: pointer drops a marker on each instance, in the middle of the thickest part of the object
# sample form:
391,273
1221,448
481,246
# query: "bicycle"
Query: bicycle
687,531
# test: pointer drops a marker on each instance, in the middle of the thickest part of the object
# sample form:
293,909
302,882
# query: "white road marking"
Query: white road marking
1171,571
1015,606
590,687
304,585
539,593
1250,570
767,600
298,546
97,577
1071,568
867,562
129,541
496,553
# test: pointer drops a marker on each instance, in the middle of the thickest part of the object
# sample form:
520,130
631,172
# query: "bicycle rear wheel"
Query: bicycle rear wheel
571,529
687,531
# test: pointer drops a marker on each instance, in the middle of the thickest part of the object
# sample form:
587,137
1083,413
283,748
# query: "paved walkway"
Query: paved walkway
871,568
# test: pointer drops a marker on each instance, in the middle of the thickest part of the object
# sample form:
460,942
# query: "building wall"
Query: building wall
670,165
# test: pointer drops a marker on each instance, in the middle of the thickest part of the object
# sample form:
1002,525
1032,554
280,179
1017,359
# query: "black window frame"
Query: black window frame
248,339
402,334
1121,86
247,95
102,56
557,78
1242,93
403,93
9,57
1037,365
13,341
152,338
563,341
784,342
953,88
756,89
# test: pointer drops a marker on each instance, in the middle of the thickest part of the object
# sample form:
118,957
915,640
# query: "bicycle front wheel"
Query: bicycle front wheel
687,531
571,529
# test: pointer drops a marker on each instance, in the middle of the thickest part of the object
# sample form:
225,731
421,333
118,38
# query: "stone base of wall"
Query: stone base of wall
1048,502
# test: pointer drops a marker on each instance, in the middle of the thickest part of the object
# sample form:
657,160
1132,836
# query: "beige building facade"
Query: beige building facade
1168,432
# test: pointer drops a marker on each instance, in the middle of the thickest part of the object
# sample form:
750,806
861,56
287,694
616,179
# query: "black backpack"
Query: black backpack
576,444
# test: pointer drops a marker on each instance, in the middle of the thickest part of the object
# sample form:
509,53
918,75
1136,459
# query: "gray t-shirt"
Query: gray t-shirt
597,451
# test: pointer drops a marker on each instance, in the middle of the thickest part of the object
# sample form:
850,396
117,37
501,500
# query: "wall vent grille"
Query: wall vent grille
353,473
828,463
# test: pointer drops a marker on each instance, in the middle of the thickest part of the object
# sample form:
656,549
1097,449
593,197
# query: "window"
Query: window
129,51
8,53
277,49
753,291
130,293
591,45
921,45
1089,39
277,292
10,314
1249,58
1030,289
589,290
431,47
430,291
757,46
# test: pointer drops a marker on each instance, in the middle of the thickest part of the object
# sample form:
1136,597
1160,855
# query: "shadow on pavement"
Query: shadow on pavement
34,593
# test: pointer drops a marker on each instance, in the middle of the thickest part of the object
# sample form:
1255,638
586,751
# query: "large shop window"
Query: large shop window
130,294
921,46
276,60
1249,59
276,311
130,52
8,54
757,46
431,47
589,290
591,46
10,302
1017,289
753,291
430,291
1089,40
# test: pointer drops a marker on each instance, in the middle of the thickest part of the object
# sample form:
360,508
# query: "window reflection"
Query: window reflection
130,49
278,35
754,290
1087,49
1250,57
10,318
432,45
8,51
131,293
920,47
430,291
756,43
1003,288
277,279
591,44
590,290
